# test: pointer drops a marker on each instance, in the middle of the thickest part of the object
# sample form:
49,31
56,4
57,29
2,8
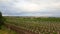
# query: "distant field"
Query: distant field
38,25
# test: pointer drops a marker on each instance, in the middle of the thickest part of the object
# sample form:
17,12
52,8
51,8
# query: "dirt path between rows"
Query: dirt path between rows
19,30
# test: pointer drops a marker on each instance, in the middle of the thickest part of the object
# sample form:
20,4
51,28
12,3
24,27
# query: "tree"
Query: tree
1,20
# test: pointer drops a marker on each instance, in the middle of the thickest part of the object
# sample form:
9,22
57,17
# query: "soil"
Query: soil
19,30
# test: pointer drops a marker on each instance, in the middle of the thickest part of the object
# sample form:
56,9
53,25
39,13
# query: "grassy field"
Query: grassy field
4,30
38,25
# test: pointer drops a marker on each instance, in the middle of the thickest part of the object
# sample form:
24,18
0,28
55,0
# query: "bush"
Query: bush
1,20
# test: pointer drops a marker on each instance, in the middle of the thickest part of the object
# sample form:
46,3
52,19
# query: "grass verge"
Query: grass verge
4,30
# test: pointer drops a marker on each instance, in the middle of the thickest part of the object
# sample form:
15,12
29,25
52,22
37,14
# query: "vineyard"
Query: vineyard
39,25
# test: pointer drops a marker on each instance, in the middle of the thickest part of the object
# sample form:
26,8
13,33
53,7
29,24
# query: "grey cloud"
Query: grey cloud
7,9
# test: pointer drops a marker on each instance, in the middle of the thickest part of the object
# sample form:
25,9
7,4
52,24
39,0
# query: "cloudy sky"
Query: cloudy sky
30,7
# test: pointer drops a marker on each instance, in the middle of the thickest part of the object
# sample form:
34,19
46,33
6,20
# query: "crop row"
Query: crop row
37,25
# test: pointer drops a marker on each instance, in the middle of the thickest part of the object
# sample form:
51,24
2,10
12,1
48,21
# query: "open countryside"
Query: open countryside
39,25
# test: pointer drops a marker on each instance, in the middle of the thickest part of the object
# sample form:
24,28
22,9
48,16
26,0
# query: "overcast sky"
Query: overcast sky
30,7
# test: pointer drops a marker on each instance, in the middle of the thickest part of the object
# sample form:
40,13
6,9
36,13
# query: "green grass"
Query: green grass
4,30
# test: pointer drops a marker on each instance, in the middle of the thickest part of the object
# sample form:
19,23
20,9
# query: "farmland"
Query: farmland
39,25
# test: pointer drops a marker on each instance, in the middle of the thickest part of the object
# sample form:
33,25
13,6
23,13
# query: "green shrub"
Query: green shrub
1,20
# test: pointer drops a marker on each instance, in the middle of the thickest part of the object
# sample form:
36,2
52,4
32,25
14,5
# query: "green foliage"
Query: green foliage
39,25
1,20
